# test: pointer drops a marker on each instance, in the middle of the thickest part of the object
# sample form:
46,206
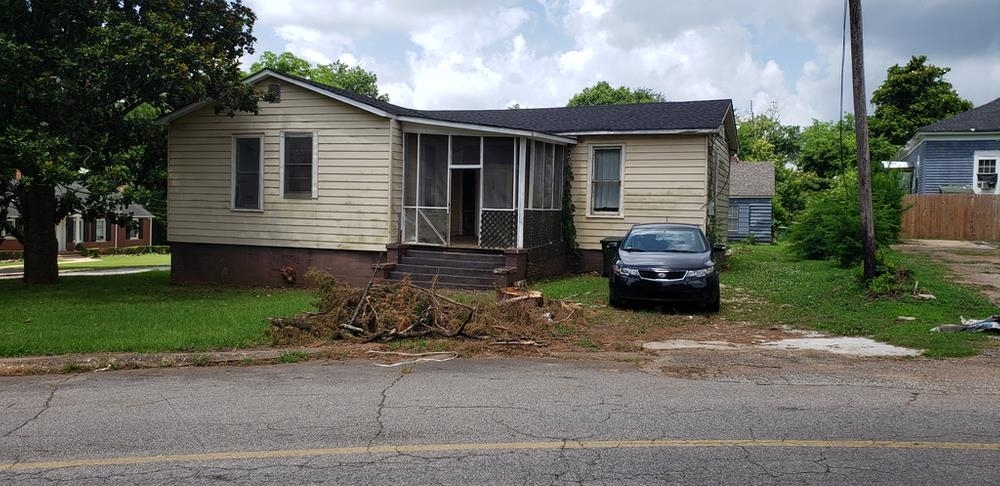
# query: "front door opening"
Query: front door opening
464,207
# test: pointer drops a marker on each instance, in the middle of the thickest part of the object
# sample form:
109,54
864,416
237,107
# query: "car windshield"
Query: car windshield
683,240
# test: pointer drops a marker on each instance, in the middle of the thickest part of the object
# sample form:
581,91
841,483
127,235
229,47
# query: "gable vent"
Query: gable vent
274,93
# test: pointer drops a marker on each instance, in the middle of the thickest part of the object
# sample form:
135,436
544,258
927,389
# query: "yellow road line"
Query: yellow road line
498,446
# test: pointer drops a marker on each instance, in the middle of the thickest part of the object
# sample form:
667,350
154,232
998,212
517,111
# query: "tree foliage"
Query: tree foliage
830,226
792,188
336,74
79,82
913,96
764,138
828,148
603,94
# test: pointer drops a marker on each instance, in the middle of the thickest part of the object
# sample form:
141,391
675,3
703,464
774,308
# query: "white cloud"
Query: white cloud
441,54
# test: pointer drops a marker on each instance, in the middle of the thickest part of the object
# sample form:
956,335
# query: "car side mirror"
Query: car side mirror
718,247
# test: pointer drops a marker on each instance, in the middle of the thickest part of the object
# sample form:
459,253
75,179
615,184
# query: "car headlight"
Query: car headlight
624,271
704,272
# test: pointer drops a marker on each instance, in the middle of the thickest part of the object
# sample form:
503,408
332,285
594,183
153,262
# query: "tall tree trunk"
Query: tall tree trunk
41,248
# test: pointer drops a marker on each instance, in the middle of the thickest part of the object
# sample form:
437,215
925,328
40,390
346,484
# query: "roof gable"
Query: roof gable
751,179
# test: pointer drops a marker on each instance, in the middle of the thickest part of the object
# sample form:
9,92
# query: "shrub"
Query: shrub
830,225
11,255
127,250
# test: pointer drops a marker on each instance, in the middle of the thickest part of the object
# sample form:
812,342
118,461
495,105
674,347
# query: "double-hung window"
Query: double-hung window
298,165
985,179
606,180
135,229
248,172
100,229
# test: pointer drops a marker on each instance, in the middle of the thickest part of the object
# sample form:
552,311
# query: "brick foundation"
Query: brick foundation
258,265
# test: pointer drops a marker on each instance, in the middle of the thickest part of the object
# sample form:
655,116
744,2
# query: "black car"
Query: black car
665,263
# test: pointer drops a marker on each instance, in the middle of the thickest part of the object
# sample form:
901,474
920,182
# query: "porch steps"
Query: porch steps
453,269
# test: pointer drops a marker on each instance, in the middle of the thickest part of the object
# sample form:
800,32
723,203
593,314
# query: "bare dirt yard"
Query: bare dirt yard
973,263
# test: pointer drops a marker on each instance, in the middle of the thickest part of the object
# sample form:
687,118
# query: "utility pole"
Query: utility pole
861,134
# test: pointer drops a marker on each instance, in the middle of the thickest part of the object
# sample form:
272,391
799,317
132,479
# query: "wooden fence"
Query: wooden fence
968,217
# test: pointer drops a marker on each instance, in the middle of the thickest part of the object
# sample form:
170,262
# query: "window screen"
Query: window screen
246,190
298,164
606,180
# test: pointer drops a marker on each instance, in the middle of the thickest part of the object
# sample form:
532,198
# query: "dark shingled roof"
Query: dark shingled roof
671,115
985,118
751,179
666,116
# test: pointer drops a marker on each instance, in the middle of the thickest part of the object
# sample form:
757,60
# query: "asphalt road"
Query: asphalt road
493,422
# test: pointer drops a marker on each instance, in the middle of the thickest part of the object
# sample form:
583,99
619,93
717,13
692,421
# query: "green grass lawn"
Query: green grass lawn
819,295
138,312
121,261
108,261
768,285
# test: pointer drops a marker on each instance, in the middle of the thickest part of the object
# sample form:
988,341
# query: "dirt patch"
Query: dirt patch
971,263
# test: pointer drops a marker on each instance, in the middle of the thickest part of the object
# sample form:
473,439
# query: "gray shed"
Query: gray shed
750,194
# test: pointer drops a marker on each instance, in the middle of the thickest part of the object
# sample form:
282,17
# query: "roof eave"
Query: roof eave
267,73
549,137
681,131
922,136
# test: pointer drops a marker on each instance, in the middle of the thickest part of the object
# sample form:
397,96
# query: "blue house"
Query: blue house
750,194
958,154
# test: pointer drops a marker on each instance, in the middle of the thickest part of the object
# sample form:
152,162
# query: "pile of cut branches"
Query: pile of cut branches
390,310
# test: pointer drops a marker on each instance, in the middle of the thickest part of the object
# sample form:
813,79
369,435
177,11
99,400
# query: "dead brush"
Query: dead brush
387,311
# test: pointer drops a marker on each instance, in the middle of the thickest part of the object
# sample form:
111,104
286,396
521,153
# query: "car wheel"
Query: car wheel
614,301
715,304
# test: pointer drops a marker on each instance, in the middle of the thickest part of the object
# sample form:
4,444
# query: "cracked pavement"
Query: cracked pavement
500,422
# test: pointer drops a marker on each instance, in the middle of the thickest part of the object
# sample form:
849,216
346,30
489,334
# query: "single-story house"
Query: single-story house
329,179
750,196
959,154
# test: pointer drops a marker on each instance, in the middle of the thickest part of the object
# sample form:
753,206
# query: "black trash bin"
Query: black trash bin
609,248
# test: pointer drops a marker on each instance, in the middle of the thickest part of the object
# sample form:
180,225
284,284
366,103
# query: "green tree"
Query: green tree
827,148
792,188
336,74
763,138
913,96
830,225
79,82
603,94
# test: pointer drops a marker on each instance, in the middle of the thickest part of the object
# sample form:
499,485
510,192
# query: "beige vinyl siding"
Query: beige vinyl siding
352,211
720,154
665,180
395,181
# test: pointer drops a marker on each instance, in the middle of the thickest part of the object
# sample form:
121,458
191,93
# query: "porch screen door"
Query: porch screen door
425,189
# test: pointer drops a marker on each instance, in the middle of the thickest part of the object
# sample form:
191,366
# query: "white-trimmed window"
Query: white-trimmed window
101,229
606,180
3,229
984,180
248,172
298,165
135,229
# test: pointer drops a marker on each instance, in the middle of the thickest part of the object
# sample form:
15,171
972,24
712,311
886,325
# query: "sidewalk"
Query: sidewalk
17,271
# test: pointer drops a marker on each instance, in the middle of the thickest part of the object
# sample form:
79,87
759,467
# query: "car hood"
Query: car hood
669,260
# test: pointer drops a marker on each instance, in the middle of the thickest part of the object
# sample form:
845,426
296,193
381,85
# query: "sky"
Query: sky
472,54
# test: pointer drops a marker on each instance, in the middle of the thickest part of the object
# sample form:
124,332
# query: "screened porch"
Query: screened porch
470,191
